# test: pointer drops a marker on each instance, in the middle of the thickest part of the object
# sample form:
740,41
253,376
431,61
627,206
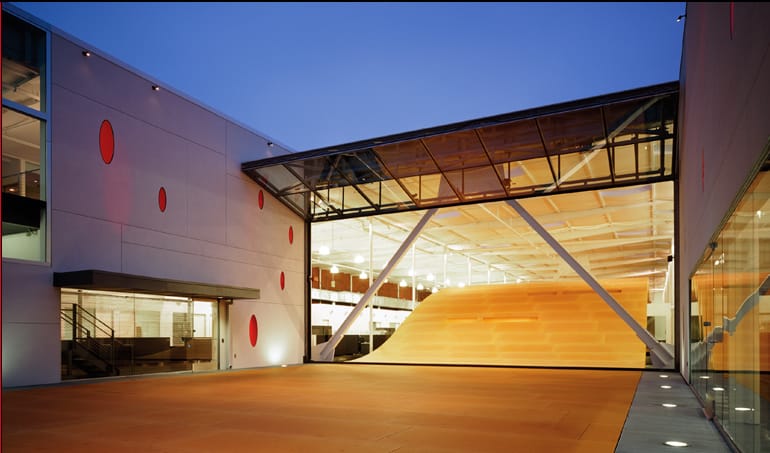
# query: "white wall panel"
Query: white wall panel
279,334
31,329
80,242
206,192
107,83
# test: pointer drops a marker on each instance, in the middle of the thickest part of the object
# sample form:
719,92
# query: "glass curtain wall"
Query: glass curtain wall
105,333
730,322
24,140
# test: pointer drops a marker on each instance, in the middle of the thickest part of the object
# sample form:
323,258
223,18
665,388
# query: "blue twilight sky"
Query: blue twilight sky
311,75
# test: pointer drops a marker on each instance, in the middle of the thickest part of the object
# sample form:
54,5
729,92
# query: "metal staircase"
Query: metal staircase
90,349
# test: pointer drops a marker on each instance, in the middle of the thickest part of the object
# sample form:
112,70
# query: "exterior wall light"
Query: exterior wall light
86,53
155,88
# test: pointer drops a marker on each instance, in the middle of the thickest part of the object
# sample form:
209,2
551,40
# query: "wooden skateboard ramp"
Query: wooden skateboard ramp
532,324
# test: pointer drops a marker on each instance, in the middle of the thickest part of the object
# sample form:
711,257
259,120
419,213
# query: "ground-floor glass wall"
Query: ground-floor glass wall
730,322
110,333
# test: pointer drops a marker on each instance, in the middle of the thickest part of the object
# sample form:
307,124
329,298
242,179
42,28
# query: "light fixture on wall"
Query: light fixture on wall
270,144
679,18
86,53
363,275
402,283
155,88
334,269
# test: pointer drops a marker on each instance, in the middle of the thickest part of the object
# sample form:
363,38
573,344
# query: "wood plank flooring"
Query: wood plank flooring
327,408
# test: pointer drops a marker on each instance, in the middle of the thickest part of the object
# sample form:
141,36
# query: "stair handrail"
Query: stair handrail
101,351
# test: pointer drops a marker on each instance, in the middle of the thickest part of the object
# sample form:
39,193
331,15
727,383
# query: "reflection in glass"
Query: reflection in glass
730,322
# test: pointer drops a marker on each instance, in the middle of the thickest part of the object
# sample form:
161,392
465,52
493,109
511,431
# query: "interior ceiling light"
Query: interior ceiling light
461,285
434,290
665,386
743,409
705,377
420,287
430,277
668,405
363,275
675,443
323,250
664,376
358,259
402,283
334,269
718,389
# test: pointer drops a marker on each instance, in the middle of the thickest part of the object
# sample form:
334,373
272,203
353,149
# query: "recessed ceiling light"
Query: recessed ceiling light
664,376
668,405
675,443
665,386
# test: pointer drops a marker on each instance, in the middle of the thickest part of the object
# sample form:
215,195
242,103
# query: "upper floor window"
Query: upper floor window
24,162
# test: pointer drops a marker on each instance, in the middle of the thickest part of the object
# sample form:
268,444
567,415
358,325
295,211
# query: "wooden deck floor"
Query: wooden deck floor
325,408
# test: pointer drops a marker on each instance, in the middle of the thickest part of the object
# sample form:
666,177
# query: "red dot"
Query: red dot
283,280
106,142
162,199
291,235
253,331
261,200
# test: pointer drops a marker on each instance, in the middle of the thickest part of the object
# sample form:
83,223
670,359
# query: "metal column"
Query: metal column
327,352
660,355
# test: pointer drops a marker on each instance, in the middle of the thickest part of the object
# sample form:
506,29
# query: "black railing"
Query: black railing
91,341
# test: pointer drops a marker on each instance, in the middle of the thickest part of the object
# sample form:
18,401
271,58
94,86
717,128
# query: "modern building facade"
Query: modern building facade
146,233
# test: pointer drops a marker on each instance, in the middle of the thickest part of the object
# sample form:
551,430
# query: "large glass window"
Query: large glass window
730,322
119,334
24,138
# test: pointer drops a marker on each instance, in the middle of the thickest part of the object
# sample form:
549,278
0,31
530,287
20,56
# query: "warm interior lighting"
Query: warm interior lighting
434,290
323,250
334,269
461,285
363,275
402,283
675,443
358,259
420,287
430,277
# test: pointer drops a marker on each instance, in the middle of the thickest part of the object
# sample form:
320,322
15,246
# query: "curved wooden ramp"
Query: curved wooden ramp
533,324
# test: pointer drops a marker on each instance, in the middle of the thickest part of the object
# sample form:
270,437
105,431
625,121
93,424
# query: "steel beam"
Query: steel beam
327,348
660,355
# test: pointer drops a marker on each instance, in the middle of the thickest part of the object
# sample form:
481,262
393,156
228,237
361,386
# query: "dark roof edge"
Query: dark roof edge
606,99
115,281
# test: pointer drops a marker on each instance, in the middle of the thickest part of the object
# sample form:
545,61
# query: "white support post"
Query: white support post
660,355
326,353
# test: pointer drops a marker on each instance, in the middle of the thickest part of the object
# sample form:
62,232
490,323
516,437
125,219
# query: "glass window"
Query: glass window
24,137
730,322
24,57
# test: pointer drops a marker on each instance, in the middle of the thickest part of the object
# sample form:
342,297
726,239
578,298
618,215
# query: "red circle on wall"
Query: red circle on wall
106,142
162,199
253,331
283,280
291,235
261,200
